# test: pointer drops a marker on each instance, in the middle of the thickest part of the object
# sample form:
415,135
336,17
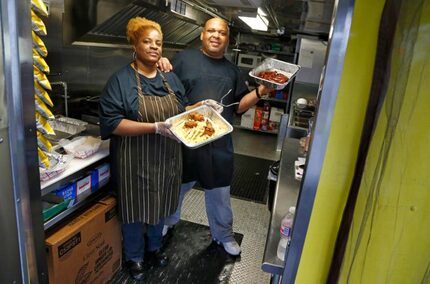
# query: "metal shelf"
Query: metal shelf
86,199
75,169
262,131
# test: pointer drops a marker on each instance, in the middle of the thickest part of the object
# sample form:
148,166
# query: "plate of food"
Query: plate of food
273,73
199,126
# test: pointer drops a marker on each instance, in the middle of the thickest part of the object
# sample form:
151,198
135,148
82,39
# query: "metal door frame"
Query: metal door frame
23,240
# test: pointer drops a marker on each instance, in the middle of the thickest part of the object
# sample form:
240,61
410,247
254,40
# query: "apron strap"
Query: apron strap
139,86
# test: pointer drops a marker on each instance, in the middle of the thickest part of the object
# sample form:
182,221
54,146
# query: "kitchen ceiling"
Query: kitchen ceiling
286,17
104,21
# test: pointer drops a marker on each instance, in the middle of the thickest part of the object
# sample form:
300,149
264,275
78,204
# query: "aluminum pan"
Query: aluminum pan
288,69
221,125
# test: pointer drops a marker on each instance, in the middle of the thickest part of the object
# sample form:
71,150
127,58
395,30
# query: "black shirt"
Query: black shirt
208,78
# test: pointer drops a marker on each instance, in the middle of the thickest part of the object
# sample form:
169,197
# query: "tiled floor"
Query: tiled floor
250,219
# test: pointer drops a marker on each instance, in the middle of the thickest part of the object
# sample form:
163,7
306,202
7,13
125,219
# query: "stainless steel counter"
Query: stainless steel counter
286,194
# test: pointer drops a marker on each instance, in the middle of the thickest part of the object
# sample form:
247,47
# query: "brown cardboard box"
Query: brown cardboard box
88,248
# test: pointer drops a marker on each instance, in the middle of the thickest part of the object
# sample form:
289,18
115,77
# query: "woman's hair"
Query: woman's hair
137,25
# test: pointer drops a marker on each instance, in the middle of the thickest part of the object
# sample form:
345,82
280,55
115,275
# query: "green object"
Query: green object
52,209
276,47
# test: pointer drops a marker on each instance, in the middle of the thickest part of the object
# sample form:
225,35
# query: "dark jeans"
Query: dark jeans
134,239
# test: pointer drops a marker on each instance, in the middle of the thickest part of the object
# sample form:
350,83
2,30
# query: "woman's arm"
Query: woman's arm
129,127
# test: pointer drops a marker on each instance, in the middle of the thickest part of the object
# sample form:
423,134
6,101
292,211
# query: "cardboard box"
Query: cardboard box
247,119
276,114
88,248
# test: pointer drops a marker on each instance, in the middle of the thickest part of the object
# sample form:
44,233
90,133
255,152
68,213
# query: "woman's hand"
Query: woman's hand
163,128
164,65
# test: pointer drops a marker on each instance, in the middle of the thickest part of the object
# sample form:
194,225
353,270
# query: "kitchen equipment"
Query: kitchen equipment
66,127
222,127
270,64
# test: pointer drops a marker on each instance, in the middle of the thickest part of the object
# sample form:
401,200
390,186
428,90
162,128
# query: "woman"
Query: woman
146,160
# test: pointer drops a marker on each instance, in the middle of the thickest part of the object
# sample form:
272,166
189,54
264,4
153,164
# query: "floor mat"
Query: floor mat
249,178
194,258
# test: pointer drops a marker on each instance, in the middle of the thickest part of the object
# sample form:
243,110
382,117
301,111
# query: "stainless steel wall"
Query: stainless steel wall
84,68
22,246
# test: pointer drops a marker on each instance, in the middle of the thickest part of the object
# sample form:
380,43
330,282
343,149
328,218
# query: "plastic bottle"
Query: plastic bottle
286,230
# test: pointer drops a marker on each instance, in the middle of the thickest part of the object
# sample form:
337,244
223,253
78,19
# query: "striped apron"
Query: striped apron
150,165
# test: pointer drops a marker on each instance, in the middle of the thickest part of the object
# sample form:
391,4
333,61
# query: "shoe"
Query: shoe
156,258
135,269
165,230
232,248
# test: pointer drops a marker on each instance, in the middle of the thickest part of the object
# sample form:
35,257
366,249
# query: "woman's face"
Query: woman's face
149,46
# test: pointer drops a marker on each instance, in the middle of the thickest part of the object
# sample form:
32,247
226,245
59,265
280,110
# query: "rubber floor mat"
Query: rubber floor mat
250,178
194,258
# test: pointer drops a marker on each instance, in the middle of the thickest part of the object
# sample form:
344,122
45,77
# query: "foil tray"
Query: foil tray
270,64
222,127
66,127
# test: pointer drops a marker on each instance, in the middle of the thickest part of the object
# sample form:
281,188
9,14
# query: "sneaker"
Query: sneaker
165,230
232,248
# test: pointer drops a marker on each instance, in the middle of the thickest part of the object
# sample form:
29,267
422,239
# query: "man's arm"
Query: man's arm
252,98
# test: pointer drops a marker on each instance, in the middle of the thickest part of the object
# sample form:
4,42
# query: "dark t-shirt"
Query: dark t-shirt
119,98
207,78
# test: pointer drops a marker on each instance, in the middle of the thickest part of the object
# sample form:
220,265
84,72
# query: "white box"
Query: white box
83,185
247,119
276,114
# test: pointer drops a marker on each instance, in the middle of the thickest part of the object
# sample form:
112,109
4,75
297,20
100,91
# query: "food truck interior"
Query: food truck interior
57,200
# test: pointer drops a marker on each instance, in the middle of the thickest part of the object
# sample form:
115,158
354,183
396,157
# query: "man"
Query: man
207,75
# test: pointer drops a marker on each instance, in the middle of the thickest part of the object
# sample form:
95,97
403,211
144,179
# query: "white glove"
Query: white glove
163,128
214,104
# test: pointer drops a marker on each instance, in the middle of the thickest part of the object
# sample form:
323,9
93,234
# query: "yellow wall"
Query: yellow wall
337,171
389,240
390,237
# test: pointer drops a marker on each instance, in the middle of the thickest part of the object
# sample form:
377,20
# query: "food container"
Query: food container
81,147
58,164
221,126
66,127
270,64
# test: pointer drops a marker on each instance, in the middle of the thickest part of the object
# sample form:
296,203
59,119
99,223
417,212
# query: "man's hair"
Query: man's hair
137,25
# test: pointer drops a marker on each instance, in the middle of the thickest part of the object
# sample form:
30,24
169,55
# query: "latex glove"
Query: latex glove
163,128
164,64
214,104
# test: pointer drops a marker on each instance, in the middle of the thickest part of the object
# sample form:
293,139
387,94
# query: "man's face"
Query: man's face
214,38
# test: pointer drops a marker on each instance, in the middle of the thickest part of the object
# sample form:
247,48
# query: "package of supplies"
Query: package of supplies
40,62
37,24
43,159
81,147
57,164
41,78
39,7
39,45
42,108
43,125
43,143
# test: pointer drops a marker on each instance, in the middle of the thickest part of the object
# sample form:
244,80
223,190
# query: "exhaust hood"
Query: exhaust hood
104,22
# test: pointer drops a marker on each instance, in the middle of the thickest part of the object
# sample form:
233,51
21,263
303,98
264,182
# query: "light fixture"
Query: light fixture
258,22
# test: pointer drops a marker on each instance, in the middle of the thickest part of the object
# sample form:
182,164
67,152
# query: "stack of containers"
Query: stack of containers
41,83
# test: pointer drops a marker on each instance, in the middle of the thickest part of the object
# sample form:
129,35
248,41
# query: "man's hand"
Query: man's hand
163,128
214,104
164,64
